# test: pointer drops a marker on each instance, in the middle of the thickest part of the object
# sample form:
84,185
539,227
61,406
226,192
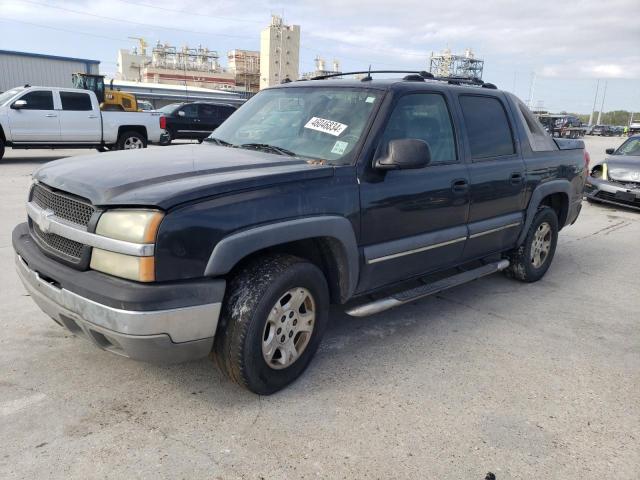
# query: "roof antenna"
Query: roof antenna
368,78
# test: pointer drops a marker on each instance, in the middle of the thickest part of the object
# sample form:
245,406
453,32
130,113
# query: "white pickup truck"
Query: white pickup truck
48,117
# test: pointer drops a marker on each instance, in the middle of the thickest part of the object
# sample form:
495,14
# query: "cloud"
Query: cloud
622,67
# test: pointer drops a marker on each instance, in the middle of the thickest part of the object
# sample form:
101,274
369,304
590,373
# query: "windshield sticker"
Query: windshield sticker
339,147
326,126
370,99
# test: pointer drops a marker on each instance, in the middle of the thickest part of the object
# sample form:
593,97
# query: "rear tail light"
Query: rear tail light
163,123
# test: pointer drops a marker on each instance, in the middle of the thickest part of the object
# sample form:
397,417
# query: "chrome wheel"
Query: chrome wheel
289,328
541,245
132,143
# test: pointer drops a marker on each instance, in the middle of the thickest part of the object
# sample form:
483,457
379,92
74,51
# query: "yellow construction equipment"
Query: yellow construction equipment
109,98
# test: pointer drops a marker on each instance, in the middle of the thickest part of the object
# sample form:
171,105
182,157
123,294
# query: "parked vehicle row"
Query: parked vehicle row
46,117
369,194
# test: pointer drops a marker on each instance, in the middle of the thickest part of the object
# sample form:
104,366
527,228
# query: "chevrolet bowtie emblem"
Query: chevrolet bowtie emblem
44,222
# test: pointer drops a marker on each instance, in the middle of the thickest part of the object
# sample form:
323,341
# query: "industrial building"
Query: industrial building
447,64
321,68
245,65
20,68
279,52
195,67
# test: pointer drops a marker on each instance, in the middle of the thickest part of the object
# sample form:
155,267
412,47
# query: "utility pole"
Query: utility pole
604,94
595,99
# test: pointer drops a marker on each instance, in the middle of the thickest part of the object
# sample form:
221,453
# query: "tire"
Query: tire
167,138
249,345
528,262
1,148
131,140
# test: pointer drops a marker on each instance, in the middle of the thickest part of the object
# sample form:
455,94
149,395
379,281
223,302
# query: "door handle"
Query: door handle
460,186
51,115
516,178
93,116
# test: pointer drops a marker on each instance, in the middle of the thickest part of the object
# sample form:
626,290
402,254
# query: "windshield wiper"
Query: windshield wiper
217,141
268,148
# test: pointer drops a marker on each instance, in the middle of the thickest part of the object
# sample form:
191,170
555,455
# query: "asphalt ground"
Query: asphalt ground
530,381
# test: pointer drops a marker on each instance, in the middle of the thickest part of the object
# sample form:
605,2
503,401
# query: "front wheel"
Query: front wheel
275,313
131,141
531,260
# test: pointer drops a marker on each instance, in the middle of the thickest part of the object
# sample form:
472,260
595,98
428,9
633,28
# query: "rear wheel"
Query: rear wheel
273,319
131,141
1,148
532,259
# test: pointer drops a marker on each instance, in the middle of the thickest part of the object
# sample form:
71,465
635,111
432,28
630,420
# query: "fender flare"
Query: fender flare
541,191
233,248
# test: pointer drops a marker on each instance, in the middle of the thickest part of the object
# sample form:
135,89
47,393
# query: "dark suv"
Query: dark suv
193,121
369,194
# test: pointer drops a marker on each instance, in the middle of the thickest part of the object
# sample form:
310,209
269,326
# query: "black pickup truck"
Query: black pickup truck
367,193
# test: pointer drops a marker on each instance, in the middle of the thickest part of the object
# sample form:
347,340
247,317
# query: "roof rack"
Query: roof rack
412,75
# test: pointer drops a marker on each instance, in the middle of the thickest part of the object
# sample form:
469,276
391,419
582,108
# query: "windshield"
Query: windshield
9,94
323,124
630,147
169,108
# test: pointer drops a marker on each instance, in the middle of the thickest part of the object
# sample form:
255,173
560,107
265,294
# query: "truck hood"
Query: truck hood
168,176
623,168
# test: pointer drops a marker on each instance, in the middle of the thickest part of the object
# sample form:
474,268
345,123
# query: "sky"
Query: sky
558,50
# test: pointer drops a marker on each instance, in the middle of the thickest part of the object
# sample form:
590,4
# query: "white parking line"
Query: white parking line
14,406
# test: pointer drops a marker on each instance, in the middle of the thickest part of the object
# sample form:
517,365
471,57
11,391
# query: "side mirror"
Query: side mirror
405,153
18,104
181,113
609,151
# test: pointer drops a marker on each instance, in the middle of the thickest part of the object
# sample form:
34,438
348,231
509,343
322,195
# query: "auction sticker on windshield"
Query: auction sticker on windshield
326,126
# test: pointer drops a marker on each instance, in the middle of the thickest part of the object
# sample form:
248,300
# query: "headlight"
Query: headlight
136,226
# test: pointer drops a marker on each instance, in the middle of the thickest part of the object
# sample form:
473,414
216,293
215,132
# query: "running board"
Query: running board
407,296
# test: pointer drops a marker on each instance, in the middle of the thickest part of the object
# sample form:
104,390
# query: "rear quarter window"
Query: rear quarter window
487,126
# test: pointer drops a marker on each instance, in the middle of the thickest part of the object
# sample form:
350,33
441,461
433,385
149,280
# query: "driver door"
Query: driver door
415,221
37,121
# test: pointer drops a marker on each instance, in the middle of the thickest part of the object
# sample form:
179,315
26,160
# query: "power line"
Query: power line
196,14
122,20
75,32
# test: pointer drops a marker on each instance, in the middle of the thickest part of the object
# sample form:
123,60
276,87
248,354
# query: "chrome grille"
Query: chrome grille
63,205
59,244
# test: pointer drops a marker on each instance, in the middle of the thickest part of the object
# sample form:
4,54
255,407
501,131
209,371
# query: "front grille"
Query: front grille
612,198
63,205
626,184
60,245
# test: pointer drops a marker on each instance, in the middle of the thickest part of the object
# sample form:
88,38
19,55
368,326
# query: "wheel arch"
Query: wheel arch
327,241
554,194
141,129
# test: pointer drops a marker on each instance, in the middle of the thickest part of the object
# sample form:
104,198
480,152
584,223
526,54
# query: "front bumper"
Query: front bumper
612,193
122,317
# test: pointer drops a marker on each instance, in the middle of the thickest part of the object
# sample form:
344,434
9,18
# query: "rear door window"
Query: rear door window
38,100
207,112
487,126
75,101
225,112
